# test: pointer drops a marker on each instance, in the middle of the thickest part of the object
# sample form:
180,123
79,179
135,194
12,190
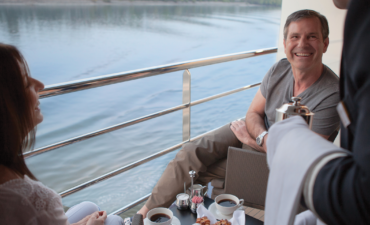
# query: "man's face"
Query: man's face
304,44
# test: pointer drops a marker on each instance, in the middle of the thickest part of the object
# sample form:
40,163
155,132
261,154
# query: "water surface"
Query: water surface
68,42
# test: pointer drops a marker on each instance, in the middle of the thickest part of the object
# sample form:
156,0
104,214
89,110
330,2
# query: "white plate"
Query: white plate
212,208
175,221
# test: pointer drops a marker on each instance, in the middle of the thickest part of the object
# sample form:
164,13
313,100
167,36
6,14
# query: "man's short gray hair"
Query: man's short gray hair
306,13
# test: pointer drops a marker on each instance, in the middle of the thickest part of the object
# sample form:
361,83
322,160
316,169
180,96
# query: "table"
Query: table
187,217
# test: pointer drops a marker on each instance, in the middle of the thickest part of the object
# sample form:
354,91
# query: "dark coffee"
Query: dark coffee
159,218
226,203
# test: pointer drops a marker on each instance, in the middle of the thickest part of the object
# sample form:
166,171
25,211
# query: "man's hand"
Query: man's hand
240,130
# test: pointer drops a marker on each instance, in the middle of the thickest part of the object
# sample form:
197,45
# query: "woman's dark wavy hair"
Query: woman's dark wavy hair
17,127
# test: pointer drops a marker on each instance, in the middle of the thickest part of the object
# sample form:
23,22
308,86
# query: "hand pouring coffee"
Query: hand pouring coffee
294,109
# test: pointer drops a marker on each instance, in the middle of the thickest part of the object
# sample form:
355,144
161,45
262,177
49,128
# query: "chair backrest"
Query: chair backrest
246,176
137,220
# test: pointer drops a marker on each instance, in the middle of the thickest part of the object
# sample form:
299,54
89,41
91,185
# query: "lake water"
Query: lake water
68,42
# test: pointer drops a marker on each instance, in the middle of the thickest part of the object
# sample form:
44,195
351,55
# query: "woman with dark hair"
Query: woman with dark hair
23,199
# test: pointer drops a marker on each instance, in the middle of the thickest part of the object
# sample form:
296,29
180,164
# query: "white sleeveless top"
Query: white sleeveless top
28,202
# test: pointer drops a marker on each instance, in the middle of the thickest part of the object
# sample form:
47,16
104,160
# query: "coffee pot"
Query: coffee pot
293,109
197,190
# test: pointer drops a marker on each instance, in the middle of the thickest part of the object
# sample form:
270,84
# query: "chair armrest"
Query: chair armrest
246,176
218,183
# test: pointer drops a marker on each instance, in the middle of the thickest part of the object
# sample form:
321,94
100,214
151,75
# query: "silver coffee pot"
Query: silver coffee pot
293,109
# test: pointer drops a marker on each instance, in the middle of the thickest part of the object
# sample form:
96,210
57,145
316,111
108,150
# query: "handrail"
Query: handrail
153,156
128,167
119,170
83,84
131,205
101,131
131,122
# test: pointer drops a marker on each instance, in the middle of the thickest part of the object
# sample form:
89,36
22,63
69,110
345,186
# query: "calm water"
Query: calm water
64,43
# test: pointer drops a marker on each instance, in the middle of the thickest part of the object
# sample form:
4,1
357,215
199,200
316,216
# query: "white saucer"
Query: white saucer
175,221
212,208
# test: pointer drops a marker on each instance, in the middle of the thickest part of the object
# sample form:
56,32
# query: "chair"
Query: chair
137,220
247,175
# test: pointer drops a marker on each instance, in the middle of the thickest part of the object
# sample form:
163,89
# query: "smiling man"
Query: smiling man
302,74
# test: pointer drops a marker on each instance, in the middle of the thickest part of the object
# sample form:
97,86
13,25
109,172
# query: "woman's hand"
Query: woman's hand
97,218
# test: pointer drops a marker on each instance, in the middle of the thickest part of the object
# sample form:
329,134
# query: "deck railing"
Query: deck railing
73,86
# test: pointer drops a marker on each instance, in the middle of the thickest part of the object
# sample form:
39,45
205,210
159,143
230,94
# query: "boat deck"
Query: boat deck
255,213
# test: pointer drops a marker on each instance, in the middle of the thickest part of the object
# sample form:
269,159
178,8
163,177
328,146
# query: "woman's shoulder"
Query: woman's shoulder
19,185
32,193
24,195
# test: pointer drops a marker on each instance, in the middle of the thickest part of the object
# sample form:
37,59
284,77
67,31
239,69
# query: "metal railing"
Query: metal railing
73,86
78,85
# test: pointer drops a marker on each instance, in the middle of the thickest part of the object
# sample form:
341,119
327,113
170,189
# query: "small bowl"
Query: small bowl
182,201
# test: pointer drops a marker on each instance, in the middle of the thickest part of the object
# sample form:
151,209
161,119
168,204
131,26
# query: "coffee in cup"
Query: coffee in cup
159,216
226,204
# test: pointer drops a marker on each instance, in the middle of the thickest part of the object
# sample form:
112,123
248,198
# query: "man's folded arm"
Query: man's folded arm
254,118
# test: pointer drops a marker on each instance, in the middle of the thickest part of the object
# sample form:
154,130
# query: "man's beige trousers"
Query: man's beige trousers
206,156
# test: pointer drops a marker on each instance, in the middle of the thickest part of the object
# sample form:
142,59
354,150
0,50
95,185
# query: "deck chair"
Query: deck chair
137,220
247,175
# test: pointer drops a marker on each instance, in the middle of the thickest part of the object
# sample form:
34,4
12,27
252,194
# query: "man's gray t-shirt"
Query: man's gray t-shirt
321,98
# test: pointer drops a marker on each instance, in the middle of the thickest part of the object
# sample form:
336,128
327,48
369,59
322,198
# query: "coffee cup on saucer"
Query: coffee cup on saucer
226,204
159,216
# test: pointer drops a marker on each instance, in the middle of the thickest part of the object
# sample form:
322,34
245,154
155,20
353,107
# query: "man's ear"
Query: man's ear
284,46
326,44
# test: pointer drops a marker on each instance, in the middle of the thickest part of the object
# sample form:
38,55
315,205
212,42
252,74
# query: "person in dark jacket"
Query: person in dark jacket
342,189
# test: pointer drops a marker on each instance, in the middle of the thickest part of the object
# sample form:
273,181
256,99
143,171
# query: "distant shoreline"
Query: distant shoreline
119,2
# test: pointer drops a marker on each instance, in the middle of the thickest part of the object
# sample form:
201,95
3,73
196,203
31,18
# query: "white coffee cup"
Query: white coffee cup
159,211
228,210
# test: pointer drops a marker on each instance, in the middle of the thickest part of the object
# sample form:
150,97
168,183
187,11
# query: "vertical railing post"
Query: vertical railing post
186,94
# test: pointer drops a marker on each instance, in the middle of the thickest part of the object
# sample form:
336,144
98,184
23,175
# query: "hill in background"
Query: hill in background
256,2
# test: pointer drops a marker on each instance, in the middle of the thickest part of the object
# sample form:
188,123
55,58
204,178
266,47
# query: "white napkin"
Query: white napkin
202,211
237,219
292,149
